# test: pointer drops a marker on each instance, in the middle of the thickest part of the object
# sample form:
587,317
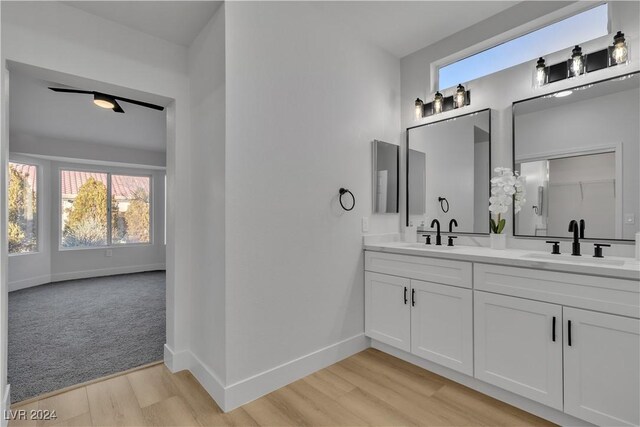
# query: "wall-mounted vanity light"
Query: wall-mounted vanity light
438,101
619,50
541,73
419,108
460,98
576,63
442,103
580,63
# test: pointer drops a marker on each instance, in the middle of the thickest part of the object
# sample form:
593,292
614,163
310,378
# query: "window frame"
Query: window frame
522,30
109,172
39,182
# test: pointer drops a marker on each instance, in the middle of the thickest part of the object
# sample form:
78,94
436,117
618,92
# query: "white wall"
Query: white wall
305,98
499,90
66,40
207,92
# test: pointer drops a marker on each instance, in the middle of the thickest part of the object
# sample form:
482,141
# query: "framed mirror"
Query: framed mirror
579,151
386,173
448,173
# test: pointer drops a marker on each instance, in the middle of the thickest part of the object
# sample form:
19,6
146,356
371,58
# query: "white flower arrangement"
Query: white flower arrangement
506,187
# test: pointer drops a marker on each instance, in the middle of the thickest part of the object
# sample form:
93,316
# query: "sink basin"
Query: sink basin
423,246
584,259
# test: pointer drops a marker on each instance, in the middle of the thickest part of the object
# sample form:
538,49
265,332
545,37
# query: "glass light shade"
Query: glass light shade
540,76
460,98
103,101
419,109
438,100
620,51
577,61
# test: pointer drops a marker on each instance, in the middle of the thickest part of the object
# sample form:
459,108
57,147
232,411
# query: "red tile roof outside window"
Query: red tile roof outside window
123,187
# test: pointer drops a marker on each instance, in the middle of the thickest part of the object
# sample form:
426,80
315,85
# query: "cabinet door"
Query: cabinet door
387,309
442,325
517,347
601,367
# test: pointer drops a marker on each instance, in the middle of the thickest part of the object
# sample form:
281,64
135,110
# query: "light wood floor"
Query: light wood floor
369,388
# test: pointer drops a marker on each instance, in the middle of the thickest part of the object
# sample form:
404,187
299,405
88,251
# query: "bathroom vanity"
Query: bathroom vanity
560,331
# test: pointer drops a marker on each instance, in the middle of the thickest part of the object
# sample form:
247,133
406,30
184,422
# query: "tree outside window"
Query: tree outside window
23,208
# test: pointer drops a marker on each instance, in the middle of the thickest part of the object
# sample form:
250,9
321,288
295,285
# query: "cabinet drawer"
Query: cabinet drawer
456,273
616,296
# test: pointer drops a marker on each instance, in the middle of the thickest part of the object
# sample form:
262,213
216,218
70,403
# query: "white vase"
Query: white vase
498,241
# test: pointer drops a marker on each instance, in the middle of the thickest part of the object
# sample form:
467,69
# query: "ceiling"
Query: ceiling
176,21
403,27
38,111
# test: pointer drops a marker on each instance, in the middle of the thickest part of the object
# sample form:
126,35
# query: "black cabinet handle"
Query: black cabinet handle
569,333
413,297
405,295
553,329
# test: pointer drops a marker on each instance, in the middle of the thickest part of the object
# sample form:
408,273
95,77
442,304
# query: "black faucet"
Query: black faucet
451,224
575,229
438,237
582,223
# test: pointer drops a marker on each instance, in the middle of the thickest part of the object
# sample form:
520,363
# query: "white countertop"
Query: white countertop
622,268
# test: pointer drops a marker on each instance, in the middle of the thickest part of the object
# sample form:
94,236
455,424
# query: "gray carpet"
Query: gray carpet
70,332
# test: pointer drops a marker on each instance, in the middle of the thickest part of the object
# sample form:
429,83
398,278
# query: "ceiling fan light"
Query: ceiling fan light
104,101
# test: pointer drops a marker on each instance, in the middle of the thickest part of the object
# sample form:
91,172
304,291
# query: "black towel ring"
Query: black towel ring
342,192
441,200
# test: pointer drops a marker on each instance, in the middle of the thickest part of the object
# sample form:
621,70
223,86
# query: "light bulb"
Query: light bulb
541,73
460,99
620,52
437,103
577,61
419,109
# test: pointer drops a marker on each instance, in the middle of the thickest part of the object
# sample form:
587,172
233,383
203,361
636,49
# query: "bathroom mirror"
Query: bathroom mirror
386,161
448,173
578,149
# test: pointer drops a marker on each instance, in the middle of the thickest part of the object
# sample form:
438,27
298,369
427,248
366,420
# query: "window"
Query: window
91,219
23,208
571,31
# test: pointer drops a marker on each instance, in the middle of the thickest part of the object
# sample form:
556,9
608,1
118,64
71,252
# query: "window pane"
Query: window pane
84,208
23,208
574,30
131,218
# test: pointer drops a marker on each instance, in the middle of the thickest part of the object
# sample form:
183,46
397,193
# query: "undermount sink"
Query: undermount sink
585,259
423,246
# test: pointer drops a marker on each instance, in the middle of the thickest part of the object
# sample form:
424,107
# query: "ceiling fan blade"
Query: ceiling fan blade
142,104
116,107
59,89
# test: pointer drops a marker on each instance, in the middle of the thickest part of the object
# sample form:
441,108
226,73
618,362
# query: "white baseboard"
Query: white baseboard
251,388
29,282
6,405
181,360
209,380
84,274
177,361
241,392
523,403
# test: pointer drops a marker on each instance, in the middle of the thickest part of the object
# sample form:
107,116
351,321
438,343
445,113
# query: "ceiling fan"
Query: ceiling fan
104,100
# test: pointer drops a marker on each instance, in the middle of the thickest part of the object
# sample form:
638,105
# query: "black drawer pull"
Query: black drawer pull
405,295
413,297
569,333
553,330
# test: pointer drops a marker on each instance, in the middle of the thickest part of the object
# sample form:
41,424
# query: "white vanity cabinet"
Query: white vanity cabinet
518,346
568,341
431,320
602,367
387,312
